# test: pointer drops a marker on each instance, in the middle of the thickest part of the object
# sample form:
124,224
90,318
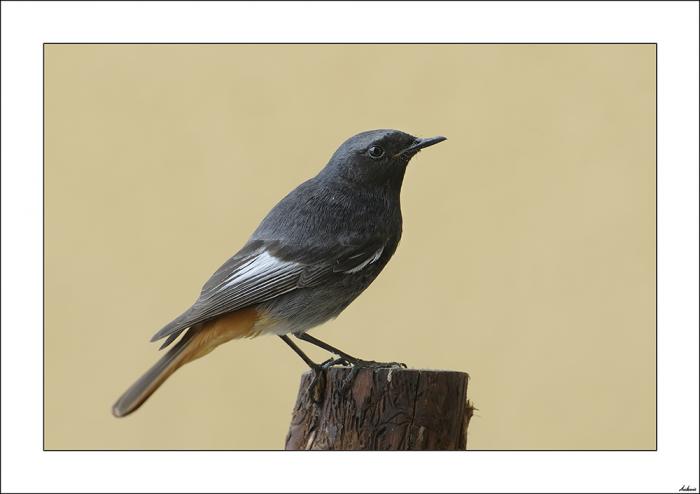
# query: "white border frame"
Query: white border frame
26,26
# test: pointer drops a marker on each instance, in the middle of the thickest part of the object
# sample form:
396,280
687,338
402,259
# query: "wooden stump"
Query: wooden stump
381,409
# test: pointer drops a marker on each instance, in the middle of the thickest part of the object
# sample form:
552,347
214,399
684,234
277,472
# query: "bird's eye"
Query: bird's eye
376,152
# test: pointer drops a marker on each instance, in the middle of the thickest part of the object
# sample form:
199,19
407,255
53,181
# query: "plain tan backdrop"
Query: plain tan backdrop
528,255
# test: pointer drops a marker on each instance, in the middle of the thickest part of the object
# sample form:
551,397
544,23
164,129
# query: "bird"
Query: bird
314,253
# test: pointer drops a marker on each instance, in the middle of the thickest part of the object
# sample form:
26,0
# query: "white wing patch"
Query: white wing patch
367,261
262,263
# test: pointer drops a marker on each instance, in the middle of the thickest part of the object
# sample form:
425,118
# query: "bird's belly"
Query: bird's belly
301,310
272,326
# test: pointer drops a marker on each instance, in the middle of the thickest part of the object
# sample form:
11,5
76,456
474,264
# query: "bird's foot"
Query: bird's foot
333,362
318,384
358,364
378,365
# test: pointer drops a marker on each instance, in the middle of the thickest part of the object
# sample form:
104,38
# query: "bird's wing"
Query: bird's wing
265,270
355,260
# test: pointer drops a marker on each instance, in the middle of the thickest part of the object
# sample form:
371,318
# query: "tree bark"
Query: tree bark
381,409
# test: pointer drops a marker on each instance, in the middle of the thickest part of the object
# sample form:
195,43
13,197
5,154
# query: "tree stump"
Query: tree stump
381,409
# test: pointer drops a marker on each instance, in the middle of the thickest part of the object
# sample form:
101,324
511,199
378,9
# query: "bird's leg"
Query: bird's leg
356,362
314,366
318,384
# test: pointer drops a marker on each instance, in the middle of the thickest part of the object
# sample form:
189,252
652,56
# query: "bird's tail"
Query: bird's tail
153,378
198,341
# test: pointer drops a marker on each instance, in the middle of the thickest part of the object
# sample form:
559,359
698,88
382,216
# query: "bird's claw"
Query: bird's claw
379,365
332,362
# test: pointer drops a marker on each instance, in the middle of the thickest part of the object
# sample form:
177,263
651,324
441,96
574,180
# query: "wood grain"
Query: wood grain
381,409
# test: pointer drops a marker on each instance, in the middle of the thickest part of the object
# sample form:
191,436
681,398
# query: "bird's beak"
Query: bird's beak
420,143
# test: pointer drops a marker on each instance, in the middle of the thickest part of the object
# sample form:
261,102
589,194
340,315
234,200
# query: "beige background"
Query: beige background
527,258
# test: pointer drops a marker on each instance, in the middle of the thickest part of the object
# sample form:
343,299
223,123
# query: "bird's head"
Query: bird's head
377,156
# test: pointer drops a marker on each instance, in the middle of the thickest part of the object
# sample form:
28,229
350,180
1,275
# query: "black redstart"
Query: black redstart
311,256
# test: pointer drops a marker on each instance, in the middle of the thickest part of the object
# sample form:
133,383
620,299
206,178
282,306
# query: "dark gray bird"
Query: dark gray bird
311,256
